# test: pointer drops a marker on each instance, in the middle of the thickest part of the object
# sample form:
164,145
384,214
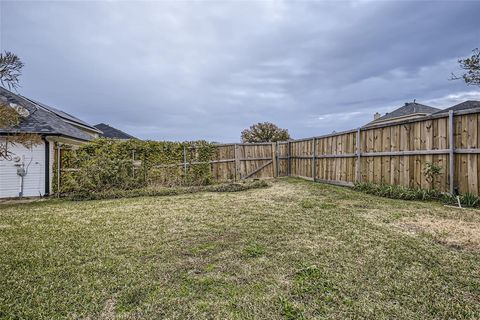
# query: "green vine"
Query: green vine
106,164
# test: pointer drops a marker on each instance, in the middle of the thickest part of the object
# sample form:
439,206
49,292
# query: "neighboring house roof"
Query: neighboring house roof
111,132
408,110
470,104
41,120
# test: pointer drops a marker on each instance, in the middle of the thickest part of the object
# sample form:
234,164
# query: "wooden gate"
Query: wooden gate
245,161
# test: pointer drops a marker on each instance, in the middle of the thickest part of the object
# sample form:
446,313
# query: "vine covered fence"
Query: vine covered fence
397,153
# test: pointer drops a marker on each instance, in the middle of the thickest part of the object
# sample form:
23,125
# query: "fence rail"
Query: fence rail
395,153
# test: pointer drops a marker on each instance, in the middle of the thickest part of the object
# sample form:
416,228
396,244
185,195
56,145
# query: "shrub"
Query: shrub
164,191
404,193
398,192
469,200
432,172
106,164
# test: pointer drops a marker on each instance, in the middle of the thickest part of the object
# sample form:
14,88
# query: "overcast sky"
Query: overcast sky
206,70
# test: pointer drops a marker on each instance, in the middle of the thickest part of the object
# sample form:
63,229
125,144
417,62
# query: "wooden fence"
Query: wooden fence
395,154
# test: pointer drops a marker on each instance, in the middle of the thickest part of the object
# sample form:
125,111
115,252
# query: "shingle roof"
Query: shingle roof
40,120
64,115
111,132
408,109
470,104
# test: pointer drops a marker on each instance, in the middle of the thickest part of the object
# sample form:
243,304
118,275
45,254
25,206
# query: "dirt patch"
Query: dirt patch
455,233
108,311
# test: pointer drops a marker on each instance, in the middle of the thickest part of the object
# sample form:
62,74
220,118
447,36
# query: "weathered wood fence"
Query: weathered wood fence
389,154
395,154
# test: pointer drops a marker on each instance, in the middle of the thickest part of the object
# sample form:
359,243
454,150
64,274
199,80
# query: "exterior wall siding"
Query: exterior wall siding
34,180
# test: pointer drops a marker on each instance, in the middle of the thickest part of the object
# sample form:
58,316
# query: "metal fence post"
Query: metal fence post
277,171
289,159
358,168
185,160
236,162
451,152
314,157
59,170
133,164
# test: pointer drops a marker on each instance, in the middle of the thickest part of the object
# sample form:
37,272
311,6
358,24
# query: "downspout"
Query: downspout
47,166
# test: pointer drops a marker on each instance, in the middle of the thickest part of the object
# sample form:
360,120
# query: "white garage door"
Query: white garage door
33,182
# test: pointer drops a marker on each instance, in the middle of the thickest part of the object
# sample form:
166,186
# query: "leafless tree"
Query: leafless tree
10,70
471,65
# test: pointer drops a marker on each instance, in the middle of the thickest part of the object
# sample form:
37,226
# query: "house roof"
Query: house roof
410,108
470,104
41,120
65,116
111,132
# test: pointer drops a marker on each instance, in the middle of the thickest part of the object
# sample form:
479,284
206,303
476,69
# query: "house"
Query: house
466,105
411,110
29,171
112,133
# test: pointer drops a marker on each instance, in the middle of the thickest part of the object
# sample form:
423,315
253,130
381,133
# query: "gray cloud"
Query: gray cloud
192,70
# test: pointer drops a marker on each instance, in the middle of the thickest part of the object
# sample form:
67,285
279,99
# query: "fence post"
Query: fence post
236,162
314,157
289,159
185,160
277,167
451,151
274,159
59,170
358,164
133,164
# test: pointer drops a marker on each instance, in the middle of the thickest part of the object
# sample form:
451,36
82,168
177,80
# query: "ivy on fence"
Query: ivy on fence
106,164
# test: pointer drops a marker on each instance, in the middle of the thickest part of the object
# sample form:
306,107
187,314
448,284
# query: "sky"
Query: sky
189,70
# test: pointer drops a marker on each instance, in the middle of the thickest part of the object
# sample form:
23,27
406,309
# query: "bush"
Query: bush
398,192
170,191
106,164
404,193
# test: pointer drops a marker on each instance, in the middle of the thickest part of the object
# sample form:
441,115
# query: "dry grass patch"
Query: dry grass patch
453,232
295,250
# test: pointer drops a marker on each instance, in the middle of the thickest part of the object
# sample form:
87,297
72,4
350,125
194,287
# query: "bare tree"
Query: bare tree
264,132
10,70
472,67
11,116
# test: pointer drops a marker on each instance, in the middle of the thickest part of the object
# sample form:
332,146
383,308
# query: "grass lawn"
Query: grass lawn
295,250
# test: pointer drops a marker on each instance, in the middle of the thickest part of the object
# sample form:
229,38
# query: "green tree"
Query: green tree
264,132
471,66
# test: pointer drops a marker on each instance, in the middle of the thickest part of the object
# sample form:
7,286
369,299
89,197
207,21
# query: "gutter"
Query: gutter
43,134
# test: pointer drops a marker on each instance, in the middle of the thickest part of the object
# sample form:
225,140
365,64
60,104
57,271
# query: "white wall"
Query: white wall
34,181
